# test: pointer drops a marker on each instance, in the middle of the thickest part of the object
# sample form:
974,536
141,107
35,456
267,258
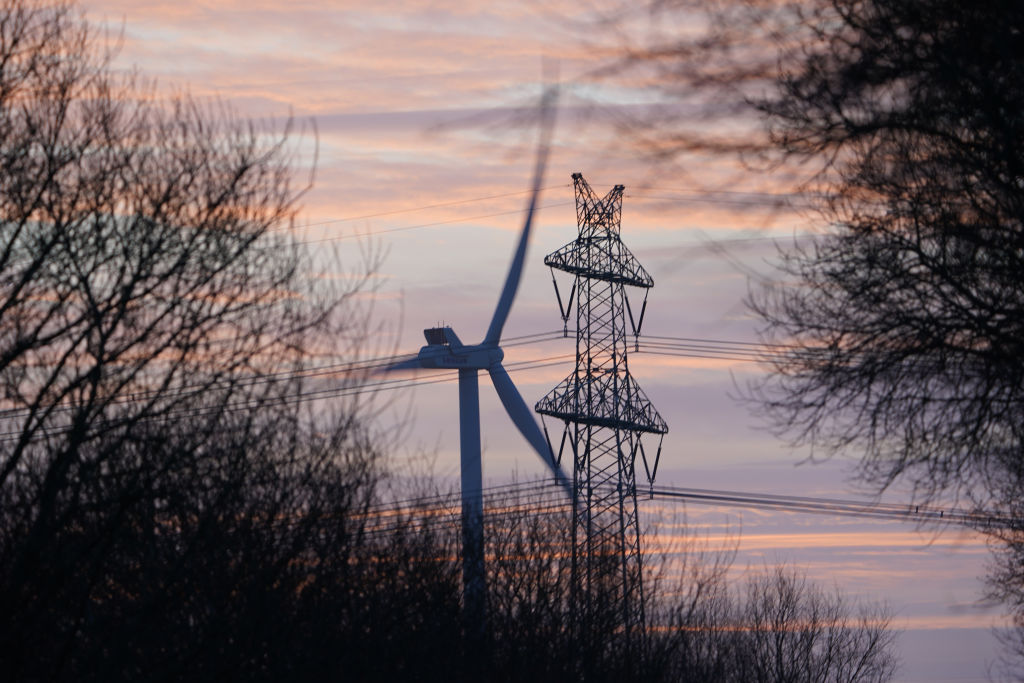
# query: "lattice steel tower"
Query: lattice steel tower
604,411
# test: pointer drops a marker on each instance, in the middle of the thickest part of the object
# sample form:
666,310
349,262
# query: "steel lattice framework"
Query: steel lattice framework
604,410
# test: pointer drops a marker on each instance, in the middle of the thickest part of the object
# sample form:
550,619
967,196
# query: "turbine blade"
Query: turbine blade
520,413
411,364
508,292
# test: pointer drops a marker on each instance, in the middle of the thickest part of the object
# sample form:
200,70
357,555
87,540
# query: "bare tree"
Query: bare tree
790,630
156,317
896,335
897,331
904,332
903,335
779,628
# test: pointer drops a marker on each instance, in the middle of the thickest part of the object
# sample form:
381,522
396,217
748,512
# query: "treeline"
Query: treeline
258,591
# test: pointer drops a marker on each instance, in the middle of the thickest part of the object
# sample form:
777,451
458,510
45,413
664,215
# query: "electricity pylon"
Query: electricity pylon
605,413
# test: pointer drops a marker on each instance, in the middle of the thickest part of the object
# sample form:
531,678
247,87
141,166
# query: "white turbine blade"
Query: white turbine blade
405,365
508,293
520,413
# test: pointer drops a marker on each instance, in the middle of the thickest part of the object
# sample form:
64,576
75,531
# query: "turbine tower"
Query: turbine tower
444,350
605,413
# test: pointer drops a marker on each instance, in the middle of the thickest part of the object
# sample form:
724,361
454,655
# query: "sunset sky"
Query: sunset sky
423,138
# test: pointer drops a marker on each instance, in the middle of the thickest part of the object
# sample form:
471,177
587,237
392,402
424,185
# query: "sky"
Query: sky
418,115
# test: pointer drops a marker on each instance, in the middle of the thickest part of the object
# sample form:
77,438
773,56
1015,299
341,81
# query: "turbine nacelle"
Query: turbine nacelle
444,350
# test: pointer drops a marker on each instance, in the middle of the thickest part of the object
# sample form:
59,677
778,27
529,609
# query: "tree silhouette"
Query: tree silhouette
156,313
897,332
778,627
898,329
904,330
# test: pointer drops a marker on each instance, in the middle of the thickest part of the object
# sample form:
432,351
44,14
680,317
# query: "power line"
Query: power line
697,194
835,506
714,349
424,225
425,207
405,228
752,352
303,396
661,345
547,496
349,367
702,191
760,203
728,353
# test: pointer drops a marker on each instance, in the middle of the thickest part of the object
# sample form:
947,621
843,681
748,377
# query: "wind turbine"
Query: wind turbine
444,350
